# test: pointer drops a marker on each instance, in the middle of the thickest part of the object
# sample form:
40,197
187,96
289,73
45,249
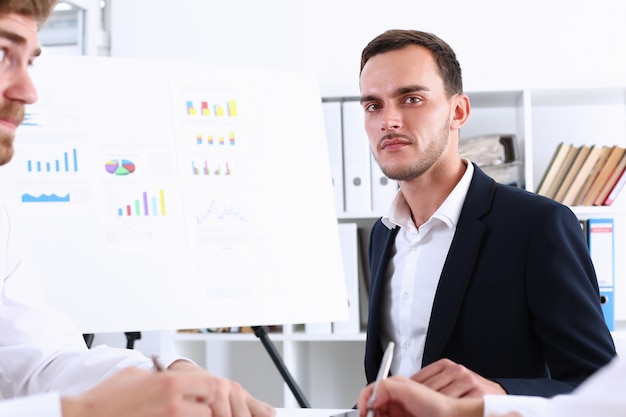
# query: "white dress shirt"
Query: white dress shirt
41,351
40,405
602,394
413,274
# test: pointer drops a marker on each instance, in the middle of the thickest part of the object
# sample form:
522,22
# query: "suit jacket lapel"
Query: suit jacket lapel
378,277
459,266
383,239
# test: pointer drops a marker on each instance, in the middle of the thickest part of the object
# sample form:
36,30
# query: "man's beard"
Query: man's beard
14,112
426,160
6,147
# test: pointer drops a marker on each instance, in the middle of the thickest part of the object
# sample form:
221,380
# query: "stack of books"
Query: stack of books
586,175
497,155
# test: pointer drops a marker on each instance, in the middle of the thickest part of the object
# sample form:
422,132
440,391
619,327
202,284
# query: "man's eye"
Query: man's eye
3,53
413,100
371,107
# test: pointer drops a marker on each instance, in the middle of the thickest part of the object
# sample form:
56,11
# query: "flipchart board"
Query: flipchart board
160,195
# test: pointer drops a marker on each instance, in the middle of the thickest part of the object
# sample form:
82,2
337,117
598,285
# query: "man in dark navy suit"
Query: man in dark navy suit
484,288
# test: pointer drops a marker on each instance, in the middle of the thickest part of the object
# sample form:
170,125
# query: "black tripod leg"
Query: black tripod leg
261,333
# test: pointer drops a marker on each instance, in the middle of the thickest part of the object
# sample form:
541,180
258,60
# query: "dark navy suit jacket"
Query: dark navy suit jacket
517,301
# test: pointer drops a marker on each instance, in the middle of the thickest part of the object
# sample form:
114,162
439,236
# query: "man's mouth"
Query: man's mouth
393,142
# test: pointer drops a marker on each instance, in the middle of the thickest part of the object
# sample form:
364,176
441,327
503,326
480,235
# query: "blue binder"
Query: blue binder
600,238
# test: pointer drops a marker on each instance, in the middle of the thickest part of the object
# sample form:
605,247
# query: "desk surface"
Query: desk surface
309,412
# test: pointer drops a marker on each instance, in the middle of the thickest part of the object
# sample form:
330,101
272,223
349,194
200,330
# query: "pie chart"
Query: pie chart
120,167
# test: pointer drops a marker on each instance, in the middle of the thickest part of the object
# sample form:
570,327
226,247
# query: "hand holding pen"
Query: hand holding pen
383,371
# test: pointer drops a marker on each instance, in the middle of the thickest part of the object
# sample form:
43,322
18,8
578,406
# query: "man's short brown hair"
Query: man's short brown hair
394,39
38,9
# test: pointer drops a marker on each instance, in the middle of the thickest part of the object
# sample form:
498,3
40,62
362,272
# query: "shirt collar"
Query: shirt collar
399,214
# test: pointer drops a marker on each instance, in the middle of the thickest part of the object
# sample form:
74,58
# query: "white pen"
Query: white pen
383,371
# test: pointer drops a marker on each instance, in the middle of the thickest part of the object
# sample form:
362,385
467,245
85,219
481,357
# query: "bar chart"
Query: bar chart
144,205
226,108
67,163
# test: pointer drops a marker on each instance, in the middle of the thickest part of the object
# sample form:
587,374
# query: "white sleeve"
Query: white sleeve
40,349
498,405
44,405
600,395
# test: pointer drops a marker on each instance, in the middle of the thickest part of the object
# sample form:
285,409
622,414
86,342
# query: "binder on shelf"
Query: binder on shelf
601,248
332,123
607,301
581,175
356,160
609,165
348,238
549,176
611,181
384,189
606,150
572,172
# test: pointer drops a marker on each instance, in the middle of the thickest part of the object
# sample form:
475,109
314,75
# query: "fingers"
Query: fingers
364,398
446,377
259,408
432,370
223,397
454,380
401,397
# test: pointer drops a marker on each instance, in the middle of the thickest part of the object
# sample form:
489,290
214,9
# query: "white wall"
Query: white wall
499,43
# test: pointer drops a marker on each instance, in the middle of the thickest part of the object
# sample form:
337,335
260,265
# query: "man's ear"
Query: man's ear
461,111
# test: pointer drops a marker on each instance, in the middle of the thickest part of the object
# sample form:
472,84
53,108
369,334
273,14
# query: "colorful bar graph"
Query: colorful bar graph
221,139
205,170
144,206
227,108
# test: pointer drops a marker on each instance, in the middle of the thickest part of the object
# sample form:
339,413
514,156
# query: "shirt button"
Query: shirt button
407,344
406,295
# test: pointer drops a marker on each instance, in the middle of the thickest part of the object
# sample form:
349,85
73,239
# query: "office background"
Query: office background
501,46
531,43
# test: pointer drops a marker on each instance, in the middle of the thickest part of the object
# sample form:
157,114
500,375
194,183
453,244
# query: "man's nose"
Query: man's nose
21,87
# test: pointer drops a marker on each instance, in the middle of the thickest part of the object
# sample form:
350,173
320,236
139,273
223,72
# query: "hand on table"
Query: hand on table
184,390
455,380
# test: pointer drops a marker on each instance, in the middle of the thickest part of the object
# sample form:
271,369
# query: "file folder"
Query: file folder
384,190
357,173
348,238
332,124
607,301
601,241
